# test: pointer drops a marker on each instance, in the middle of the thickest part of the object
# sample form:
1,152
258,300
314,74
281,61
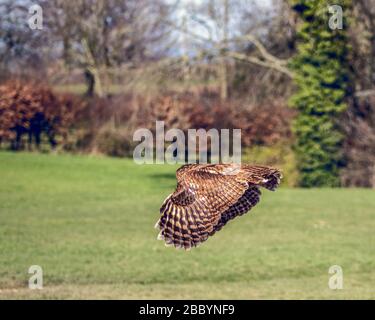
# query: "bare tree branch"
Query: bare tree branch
261,48
365,93
270,60
255,60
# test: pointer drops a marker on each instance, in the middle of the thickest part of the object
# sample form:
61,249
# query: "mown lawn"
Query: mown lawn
88,222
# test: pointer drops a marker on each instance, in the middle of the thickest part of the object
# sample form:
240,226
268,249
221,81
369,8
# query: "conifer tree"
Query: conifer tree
322,75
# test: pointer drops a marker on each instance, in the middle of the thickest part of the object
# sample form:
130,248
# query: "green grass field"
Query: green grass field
88,222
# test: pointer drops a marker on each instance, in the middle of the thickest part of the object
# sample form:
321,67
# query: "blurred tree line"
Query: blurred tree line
222,63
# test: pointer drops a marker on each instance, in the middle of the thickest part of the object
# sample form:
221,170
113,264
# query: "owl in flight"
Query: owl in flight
207,197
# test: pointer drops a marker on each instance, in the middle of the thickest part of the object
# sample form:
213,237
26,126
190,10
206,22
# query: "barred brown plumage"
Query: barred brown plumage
207,196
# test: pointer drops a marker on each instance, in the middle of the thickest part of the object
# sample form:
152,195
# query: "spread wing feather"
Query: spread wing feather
207,197
248,200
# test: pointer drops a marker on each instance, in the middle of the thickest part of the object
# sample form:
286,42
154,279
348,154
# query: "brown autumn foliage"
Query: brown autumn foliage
100,124
28,108
265,125
260,125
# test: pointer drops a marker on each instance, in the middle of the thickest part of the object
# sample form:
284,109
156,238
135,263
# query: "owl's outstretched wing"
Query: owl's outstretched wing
207,197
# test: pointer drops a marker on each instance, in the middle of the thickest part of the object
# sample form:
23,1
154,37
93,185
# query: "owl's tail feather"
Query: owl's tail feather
272,180
265,177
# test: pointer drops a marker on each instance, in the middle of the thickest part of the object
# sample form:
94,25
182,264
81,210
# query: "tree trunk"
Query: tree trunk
90,82
223,63
94,84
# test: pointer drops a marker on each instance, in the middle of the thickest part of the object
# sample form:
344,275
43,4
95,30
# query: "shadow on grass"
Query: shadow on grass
167,176
164,180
